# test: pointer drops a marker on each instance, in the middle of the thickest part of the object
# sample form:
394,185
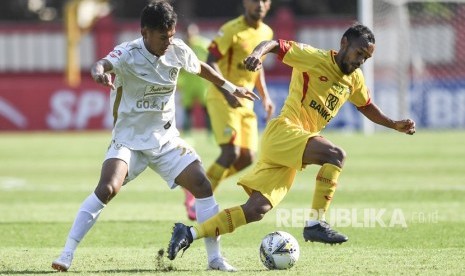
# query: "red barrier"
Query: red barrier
44,101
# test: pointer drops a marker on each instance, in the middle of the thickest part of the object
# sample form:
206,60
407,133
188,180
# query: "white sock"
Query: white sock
205,208
310,223
193,233
86,217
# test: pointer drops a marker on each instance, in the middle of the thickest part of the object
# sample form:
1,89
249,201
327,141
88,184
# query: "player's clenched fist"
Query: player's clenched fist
253,63
406,126
104,79
98,72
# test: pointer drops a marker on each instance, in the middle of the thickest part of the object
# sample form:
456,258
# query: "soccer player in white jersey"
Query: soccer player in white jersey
144,133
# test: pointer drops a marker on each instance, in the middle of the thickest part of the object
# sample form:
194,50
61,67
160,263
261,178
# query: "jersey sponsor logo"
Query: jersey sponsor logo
152,104
155,97
340,89
151,90
115,53
173,73
331,102
321,110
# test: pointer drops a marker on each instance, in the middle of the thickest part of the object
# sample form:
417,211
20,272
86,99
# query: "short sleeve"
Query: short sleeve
361,94
298,55
221,43
190,61
116,58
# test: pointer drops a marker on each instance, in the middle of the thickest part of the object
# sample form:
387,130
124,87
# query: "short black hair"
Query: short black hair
158,15
358,30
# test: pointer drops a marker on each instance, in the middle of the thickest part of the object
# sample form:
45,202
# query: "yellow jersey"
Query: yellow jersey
318,88
234,42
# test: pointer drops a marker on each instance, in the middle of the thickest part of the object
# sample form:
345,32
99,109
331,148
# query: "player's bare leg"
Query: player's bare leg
112,177
232,159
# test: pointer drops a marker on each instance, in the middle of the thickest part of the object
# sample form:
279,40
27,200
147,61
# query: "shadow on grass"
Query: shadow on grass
3,272
109,271
114,271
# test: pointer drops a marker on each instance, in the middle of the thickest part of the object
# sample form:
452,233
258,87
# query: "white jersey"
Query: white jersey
143,103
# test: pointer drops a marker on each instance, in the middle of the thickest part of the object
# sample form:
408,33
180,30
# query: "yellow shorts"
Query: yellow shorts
236,126
281,151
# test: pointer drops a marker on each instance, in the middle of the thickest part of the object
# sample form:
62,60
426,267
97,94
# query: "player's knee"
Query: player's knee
106,190
340,156
201,189
256,213
337,156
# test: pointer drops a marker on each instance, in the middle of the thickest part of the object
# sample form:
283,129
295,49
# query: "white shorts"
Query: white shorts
168,161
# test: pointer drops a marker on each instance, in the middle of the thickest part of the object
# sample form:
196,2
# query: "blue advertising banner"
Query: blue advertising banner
433,104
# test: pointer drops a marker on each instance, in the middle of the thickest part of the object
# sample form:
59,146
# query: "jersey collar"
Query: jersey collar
152,58
333,59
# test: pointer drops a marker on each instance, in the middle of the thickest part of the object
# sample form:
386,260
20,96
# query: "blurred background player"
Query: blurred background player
322,81
234,122
193,91
144,132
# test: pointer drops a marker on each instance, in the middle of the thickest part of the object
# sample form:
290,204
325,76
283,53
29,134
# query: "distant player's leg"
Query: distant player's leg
217,172
322,152
112,177
248,142
226,127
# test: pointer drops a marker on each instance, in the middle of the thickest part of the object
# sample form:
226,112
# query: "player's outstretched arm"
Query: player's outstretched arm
99,72
253,62
227,88
372,112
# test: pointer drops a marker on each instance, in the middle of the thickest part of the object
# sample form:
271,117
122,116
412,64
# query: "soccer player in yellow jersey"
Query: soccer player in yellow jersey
322,81
234,122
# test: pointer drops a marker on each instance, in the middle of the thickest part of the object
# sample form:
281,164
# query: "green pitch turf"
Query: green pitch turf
402,199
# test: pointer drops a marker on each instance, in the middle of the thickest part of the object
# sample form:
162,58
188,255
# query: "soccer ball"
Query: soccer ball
279,250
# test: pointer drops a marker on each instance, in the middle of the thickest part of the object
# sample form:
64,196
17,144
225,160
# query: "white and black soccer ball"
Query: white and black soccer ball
279,250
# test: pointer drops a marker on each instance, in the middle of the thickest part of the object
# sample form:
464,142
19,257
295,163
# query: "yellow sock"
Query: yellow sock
326,182
230,171
224,222
215,174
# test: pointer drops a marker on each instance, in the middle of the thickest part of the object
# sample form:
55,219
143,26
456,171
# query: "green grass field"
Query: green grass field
420,179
